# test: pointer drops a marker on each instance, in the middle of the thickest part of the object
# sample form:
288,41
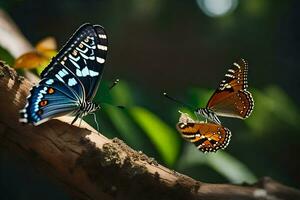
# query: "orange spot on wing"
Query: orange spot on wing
43,103
51,90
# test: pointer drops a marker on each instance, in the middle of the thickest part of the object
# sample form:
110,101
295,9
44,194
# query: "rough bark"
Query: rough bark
91,166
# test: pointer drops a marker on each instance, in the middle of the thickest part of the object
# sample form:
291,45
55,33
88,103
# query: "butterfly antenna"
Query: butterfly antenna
95,119
114,84
178,101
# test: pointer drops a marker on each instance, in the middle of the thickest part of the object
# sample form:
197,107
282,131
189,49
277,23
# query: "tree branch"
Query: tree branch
90,166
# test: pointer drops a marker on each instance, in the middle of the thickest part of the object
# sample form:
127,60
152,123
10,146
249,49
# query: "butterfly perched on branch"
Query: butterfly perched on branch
69,83
231,99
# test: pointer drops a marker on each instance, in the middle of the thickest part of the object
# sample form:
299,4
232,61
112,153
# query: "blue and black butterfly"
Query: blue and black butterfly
69,83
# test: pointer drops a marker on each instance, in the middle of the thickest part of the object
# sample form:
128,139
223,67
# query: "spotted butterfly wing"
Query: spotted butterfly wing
232,99
207,137
71,79
81,60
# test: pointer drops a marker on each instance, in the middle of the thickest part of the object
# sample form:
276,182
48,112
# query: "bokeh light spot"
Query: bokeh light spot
217,8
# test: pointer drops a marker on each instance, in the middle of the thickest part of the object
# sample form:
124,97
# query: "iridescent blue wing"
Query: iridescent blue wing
81,61
51,98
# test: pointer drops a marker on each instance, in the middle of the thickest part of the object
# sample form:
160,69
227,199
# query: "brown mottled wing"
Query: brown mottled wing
207,137
232,99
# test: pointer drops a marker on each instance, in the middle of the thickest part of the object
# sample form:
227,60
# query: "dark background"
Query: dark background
179,46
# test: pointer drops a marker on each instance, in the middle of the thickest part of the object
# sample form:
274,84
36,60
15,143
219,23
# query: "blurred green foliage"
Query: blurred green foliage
6,56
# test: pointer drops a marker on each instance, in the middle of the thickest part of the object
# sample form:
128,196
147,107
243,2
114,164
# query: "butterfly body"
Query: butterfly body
208,114
70,82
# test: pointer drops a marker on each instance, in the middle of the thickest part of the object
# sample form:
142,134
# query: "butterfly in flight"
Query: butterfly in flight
206,136
69,83
231,99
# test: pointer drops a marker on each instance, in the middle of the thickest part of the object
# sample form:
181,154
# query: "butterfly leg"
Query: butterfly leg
80,122
95,119
75,119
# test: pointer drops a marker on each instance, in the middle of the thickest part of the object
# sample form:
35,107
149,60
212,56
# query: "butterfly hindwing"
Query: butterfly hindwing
51,98
207,137
232,99
80,62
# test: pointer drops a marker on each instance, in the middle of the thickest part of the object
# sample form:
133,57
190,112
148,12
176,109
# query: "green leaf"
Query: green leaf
262,112
222,162
271,105
125,127
231,168
122,94
164,138
282,106
6,56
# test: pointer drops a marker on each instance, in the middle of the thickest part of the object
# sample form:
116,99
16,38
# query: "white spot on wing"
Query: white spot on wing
72,82
49,82
85,71
102,36
82,51
100,60
73,58
93,73
78,73
102,47
75,64
59,78
61,73
237,65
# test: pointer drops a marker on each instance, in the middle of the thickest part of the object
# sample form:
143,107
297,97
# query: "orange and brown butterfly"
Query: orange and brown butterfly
206,136
39,57
231,99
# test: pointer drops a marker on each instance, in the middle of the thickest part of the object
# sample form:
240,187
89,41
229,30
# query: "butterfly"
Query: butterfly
231,99
206,136
69,83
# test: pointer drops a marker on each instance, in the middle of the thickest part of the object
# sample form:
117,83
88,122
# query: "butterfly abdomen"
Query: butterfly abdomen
208,114
88,107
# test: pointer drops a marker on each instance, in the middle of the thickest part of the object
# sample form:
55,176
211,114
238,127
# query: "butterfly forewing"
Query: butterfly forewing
232,99
207,137
81,61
